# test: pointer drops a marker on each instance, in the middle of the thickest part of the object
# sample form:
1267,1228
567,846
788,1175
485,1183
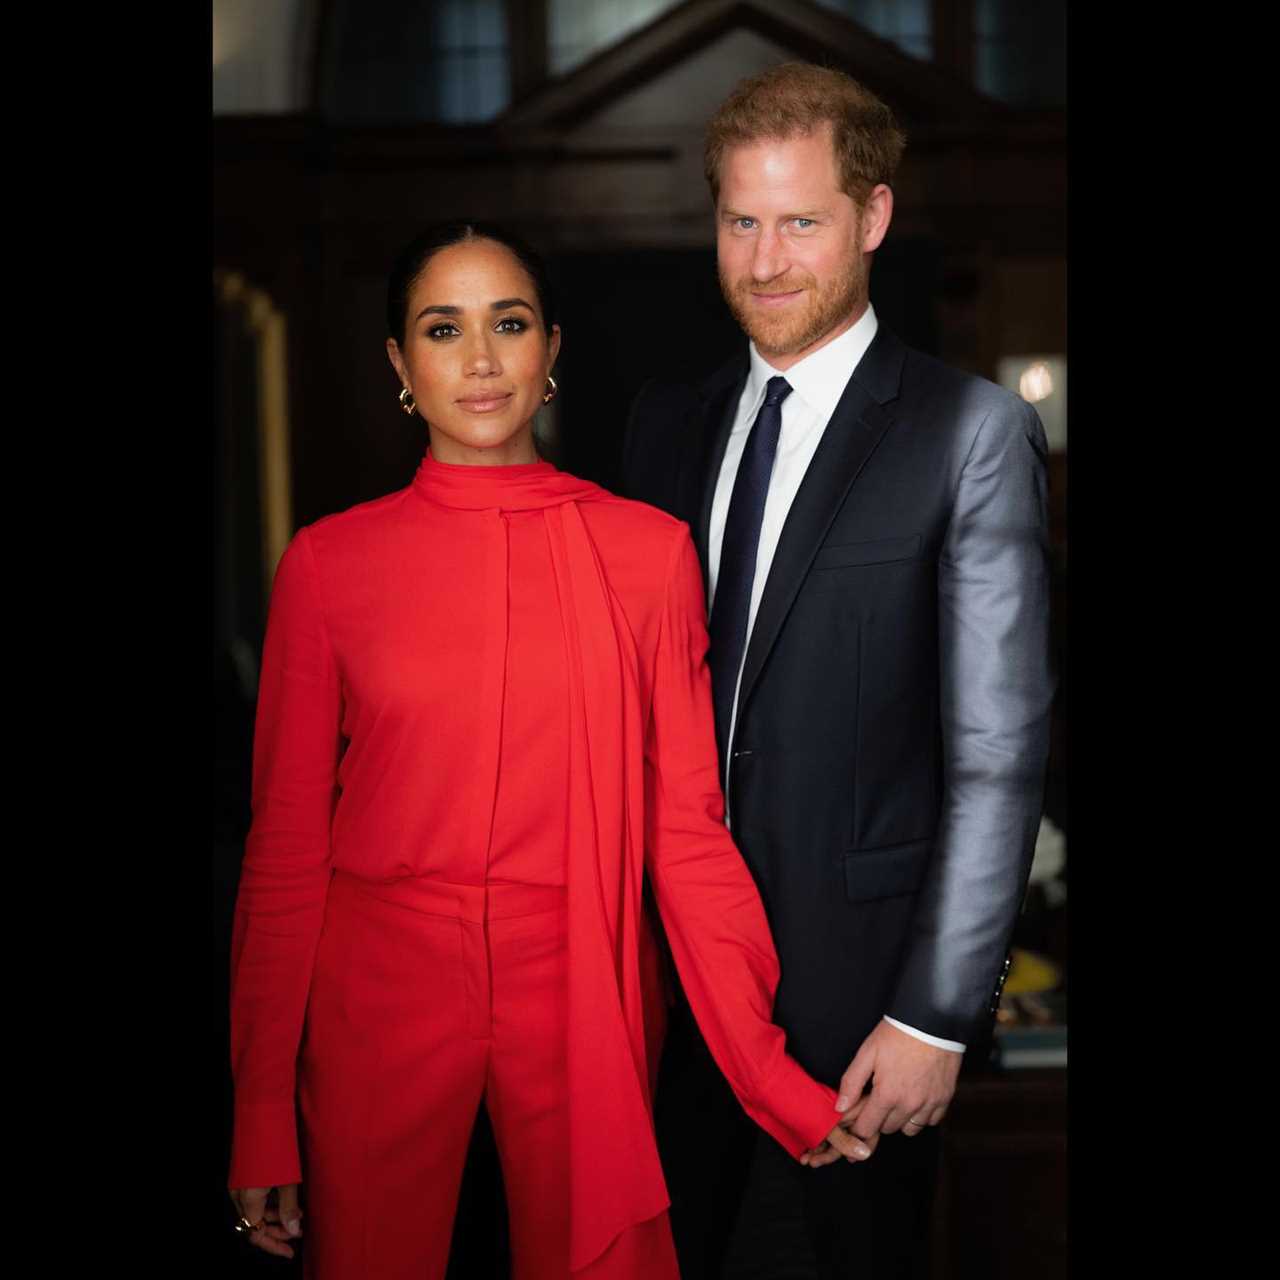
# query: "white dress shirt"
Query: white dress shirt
817,383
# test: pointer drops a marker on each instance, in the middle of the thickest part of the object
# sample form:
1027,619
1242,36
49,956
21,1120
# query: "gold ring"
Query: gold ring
244,1226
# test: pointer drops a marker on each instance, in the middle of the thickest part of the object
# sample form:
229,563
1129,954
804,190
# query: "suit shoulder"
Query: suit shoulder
921,370
662,404
665,387
668,396
972,399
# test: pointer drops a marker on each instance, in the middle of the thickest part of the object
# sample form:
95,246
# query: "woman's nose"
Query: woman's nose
482,359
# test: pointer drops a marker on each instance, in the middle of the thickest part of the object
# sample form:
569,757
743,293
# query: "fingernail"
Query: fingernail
293,1226
841,1102
861,1152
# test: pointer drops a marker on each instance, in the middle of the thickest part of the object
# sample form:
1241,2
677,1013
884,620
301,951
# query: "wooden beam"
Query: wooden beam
916,89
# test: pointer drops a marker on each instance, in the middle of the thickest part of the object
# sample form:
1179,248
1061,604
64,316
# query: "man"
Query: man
872,529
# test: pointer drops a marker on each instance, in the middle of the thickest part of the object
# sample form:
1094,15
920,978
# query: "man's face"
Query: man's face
790,245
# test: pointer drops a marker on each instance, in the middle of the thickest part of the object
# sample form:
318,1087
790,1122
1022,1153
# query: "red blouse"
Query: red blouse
498,673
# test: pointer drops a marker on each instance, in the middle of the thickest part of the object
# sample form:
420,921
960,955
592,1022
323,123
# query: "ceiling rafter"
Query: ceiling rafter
919,90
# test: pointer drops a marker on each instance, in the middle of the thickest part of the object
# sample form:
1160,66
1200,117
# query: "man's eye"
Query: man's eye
804,223
511,324
744,224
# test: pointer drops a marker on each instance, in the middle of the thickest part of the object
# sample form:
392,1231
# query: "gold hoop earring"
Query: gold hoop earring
550,393
407,402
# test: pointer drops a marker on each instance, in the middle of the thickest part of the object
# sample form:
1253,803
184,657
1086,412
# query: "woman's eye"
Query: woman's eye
511,324
438,331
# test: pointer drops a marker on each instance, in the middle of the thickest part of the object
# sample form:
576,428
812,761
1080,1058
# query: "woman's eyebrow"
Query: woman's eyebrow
438,310
441,309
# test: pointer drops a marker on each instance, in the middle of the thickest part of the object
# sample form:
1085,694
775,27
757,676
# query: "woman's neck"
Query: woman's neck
517,451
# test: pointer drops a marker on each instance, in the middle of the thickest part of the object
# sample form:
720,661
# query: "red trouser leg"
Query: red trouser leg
527,1097
425,999
391,1078
527,1100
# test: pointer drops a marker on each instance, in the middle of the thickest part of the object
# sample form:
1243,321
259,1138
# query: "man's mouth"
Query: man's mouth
774,299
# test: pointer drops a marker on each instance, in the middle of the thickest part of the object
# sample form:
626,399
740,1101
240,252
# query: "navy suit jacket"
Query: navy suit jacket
887,765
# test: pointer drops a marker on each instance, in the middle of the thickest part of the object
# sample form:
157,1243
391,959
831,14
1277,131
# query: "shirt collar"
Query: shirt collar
819,379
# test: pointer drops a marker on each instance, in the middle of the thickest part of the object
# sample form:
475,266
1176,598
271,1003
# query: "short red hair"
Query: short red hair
796,98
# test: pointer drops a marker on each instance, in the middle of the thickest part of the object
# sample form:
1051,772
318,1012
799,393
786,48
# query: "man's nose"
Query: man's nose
769,259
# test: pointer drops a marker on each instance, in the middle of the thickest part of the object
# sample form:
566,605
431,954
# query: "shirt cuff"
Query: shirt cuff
954,1045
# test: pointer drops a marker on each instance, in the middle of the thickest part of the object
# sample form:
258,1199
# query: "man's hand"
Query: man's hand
912,1083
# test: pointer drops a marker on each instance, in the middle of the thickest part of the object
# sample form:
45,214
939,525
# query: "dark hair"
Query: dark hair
413,258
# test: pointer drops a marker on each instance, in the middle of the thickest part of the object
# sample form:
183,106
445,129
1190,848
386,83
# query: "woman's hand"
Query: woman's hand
275,1216
842,1141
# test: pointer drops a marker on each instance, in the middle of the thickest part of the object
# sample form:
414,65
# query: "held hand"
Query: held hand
912,1082
842,1141
277,1218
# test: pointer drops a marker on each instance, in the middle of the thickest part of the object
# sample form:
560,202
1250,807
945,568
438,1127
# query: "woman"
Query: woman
483,717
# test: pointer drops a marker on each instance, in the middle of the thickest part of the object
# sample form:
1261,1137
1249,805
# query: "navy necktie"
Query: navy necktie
738,556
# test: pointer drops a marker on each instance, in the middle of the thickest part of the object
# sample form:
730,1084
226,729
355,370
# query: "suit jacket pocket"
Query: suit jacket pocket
879,551
886,873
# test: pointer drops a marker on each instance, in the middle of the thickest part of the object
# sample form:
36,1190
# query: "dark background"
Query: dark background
340,132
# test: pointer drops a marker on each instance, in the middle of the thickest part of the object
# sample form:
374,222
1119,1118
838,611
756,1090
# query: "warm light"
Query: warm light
227,25
1036,382
1040,379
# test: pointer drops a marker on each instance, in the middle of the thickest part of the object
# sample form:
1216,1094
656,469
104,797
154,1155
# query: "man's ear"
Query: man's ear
877,213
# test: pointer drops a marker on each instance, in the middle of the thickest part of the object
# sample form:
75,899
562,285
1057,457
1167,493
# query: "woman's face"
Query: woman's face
476,355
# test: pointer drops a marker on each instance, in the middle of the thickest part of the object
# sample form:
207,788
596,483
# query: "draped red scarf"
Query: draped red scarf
616,1180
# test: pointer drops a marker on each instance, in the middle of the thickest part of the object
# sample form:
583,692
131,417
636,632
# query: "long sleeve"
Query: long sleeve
710,906
285,876
996,688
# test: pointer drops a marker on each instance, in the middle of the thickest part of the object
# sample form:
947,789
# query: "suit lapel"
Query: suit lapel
865,412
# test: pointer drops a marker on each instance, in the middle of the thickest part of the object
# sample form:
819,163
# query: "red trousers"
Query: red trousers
427,997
